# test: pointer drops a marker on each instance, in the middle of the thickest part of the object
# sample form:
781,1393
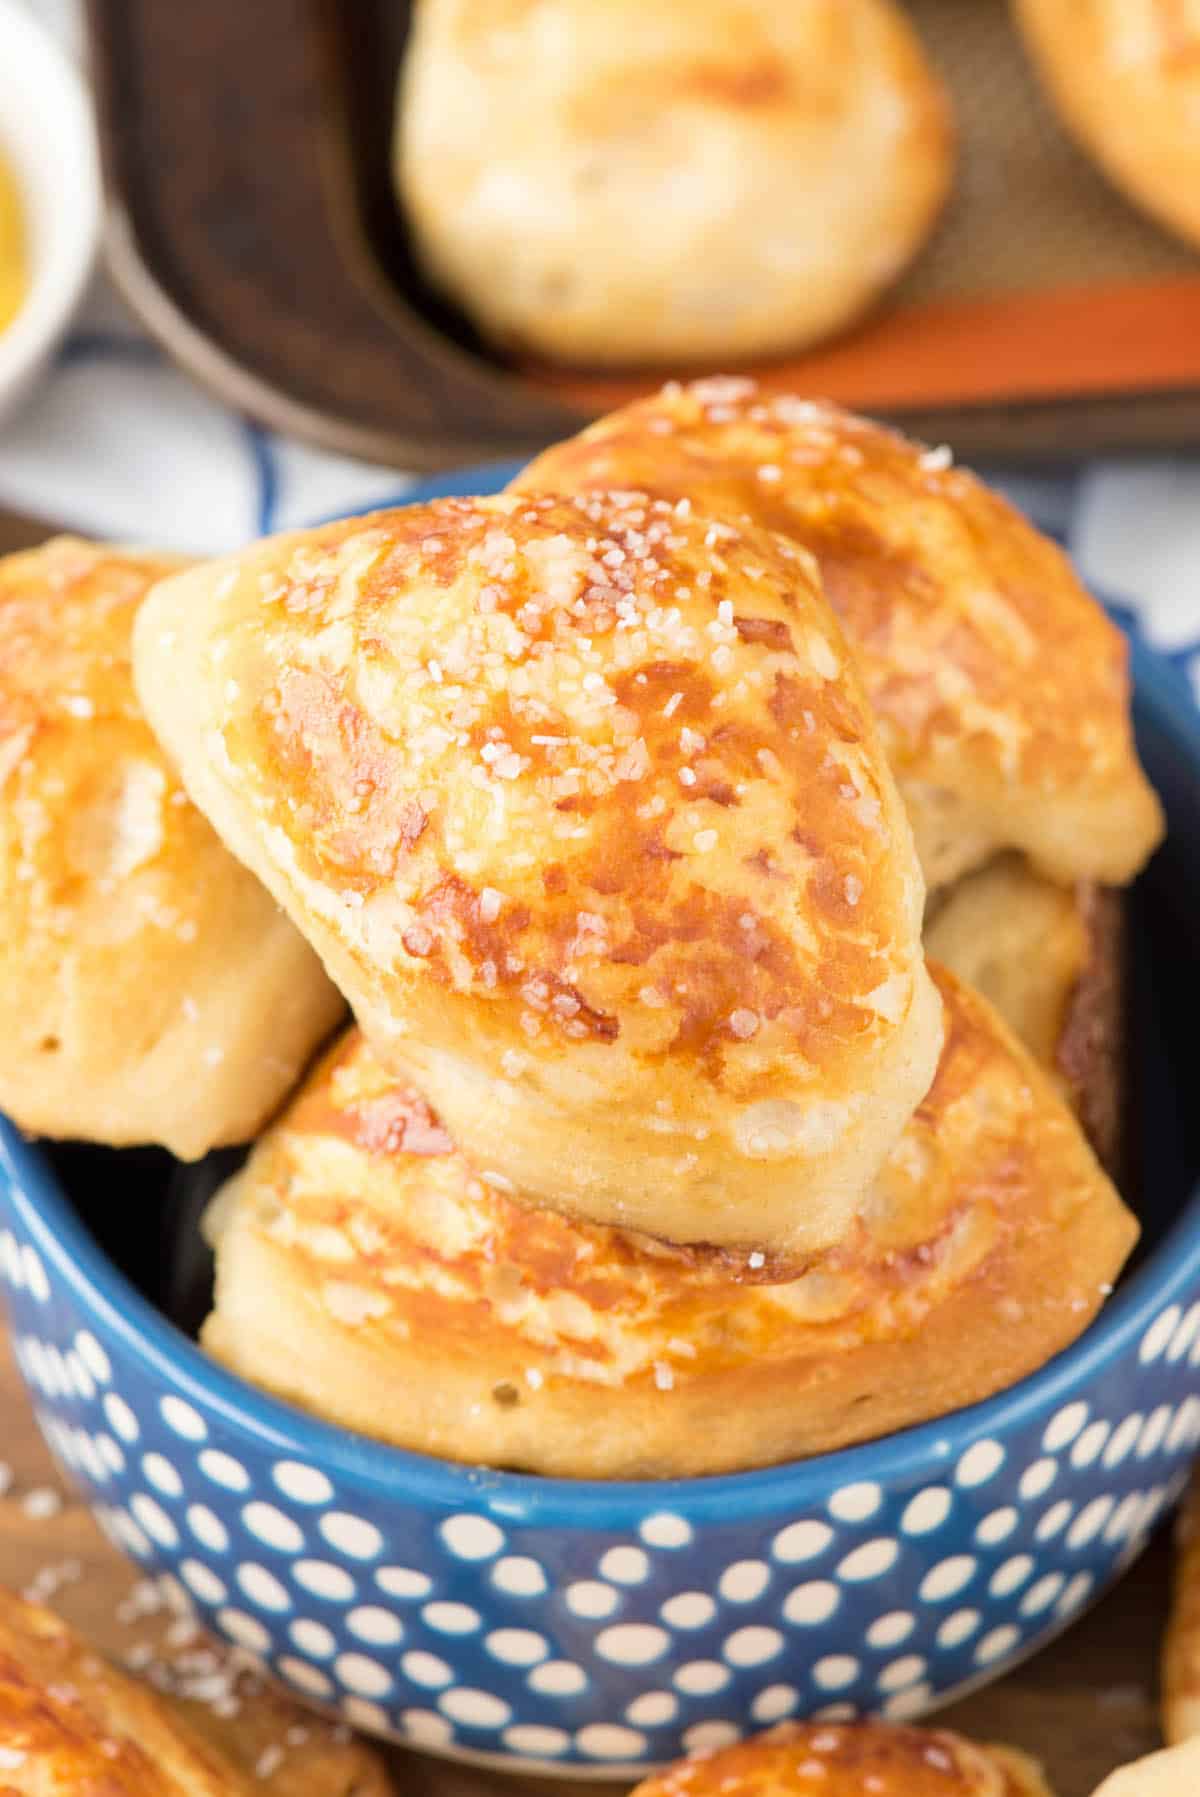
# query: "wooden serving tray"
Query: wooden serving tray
252,225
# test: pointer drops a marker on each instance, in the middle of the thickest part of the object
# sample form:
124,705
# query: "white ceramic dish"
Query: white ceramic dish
47,136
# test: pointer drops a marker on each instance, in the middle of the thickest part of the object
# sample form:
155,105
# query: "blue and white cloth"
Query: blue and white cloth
118,443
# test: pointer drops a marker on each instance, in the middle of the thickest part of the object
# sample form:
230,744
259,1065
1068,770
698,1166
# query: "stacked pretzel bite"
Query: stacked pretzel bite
623,808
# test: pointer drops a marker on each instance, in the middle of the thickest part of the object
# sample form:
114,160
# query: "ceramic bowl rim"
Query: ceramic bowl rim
170,1359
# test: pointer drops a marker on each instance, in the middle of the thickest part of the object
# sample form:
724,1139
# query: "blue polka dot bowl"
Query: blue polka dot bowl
598,1629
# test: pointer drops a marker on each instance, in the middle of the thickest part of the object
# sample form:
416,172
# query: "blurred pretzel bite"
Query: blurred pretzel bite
150,989
1173,1773
70,1723
582,804
1124,77
852,1759
1001,688
368,1271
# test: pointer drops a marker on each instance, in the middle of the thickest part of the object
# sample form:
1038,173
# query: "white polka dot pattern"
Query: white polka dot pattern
605,1741
591,1597
855,1503
744,1582
451,1618
689,1610
892,1629
632,1643
182,1419
368,1622
980,1463
558,1678
351,1535
813,1603
653,1709
665,1530
701,1678
775,1703
313,1638
324,1580
472,1537
517,1647
403,1581
426,1669
517,1574
627,1565
834,1671
927,1511
303,1484
997,1526
475,1627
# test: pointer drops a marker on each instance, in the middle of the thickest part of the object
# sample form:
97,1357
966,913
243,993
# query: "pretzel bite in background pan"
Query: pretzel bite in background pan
1125,79
647,182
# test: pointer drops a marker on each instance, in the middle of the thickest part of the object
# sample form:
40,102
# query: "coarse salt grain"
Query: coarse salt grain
41,1503
664,1378
490,902
268,1761
743,1023
705,840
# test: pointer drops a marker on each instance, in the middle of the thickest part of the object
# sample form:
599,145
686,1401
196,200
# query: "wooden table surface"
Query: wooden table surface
1083,1706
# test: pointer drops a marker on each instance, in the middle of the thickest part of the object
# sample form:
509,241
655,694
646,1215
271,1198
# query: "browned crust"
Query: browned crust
1050,958
1090,1055
583,805
988,1243
1001,689
150,991
73,1723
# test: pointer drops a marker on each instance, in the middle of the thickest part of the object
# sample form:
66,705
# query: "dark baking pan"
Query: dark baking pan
252,225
